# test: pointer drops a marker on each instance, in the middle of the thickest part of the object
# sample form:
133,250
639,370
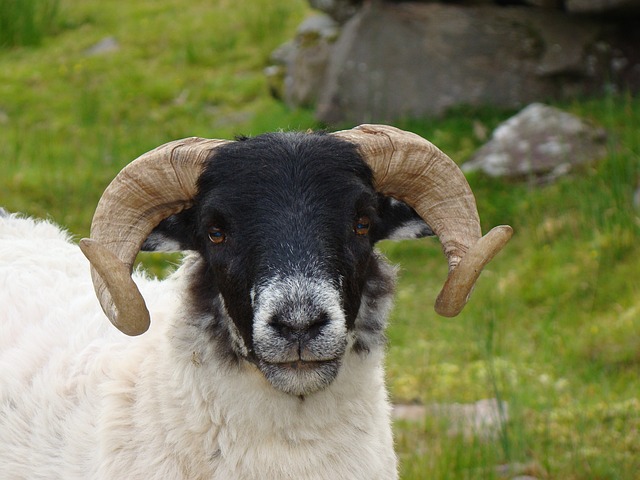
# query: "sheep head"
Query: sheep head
285,225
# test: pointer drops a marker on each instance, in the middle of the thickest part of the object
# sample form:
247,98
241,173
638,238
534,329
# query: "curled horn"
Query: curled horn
156,185
410,168
163,182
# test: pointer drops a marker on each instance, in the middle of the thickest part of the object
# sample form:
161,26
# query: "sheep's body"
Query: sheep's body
78,399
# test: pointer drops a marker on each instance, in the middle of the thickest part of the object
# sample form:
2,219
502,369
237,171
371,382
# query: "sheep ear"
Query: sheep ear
173,234
398,221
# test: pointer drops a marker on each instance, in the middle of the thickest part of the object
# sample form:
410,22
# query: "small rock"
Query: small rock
276,72
484,418
412,413
182,97
540,141
275,75
340,10
521,471
480,130
298,67
104,46
318,26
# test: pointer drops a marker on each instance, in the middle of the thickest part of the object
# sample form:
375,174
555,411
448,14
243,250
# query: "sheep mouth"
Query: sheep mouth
300,377
302,365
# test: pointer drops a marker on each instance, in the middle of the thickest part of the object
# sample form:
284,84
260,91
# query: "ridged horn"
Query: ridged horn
409,168
157,184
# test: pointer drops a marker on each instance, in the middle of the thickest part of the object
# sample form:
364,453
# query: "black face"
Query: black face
286,224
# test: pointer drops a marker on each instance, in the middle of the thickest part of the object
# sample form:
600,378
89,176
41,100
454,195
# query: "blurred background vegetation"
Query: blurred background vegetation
553,328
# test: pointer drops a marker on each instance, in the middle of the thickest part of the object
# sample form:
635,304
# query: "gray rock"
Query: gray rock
411,60
317,26
540,141
339,10
484,418
342,10
104,46
521,471
276,72
298,70
603,6
557,4
565,42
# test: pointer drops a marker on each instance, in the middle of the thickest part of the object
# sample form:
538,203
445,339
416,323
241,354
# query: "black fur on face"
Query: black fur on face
285,224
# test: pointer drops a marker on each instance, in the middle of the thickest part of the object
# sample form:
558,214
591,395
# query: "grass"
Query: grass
27,22
553,328
180,70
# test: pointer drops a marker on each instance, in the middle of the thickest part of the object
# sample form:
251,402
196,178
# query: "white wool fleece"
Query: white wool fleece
80,400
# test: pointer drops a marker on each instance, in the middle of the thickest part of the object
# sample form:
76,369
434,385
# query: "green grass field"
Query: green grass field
553,328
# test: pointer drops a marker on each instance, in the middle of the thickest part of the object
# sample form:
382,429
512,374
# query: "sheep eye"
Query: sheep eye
216,235
362,225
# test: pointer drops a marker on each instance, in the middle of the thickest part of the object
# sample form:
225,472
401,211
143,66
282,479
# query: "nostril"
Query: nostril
300,331
281,327
315,327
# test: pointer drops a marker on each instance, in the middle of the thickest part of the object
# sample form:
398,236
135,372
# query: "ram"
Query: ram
264,356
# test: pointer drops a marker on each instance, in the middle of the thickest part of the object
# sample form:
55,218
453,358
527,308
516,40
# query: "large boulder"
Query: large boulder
412,59
342,10
365,61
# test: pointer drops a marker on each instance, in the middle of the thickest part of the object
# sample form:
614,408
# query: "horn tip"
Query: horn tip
86,245
457,289
445,310
135,328
130,304
504,232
